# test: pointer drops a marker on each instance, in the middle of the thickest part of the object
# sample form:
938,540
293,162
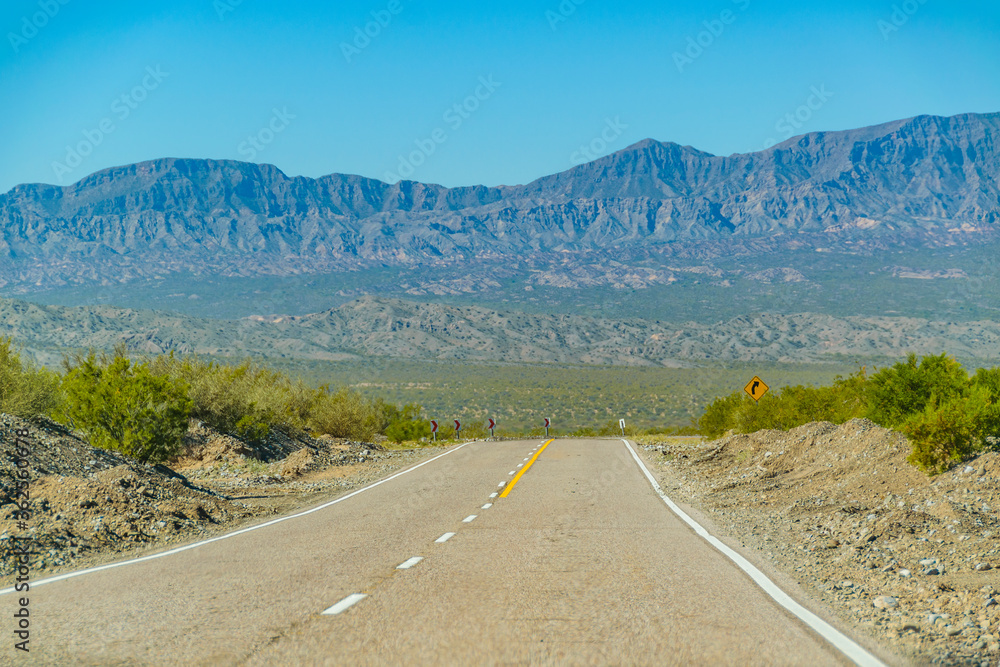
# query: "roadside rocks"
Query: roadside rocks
87,505
905,557
885,602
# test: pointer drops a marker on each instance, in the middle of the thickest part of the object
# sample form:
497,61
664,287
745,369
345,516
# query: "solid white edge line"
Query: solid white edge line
469,519
409,563
345,604
109,566
839,640
444,538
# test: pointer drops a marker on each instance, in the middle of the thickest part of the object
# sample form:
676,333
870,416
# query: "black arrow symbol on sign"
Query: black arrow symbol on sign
753,389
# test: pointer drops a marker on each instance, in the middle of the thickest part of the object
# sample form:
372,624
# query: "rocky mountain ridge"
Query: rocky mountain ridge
926,180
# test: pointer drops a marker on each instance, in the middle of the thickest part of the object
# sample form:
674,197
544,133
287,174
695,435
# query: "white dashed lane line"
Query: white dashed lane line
410,563
345,604
355,598
242,531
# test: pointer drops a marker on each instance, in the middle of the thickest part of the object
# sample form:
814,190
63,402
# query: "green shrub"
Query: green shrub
951,431
25,391
124,407
906,388
947,415
612,428
989,379
250,400
721,415
786,408
475,430
408,425
251,428
347,414
246,399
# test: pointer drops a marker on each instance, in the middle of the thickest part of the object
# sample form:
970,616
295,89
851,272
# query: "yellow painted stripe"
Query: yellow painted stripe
524,470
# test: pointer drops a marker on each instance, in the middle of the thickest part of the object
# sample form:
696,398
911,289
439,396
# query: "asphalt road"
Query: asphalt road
581,563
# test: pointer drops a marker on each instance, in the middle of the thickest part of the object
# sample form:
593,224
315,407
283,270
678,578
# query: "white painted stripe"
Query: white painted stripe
511,472
494,494
444,538
527,459
843,643
520,465
469,519
188,547
410,563
501,485
345,604
487,506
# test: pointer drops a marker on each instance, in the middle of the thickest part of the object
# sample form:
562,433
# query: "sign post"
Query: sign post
621,423
756,388
492,426
434,429
548,423
458,428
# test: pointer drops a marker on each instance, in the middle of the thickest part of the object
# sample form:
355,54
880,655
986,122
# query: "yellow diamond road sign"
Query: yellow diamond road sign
756,388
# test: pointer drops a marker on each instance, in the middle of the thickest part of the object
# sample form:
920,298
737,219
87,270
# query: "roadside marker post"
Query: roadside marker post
458,429
548,423
756,388
621,423
493,424
434,429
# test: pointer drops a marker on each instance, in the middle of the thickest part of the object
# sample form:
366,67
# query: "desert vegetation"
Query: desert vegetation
947,414
141,406
25,390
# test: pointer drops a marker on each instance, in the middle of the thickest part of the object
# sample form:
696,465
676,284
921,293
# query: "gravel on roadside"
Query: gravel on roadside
90,506
912,560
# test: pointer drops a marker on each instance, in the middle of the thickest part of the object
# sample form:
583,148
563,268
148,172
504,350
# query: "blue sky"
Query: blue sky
538,86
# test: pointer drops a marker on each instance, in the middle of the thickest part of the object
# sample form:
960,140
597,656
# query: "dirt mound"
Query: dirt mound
119,507
88,503
58,450
857,458
296,463
840,509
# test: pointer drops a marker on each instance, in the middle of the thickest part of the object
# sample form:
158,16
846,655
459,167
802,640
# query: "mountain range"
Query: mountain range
925,181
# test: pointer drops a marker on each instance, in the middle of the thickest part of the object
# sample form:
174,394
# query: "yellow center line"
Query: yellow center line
524,470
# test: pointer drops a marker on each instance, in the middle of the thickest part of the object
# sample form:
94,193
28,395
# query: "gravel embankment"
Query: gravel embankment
90,506
913,561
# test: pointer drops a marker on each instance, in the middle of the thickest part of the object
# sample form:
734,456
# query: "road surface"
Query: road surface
581,563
